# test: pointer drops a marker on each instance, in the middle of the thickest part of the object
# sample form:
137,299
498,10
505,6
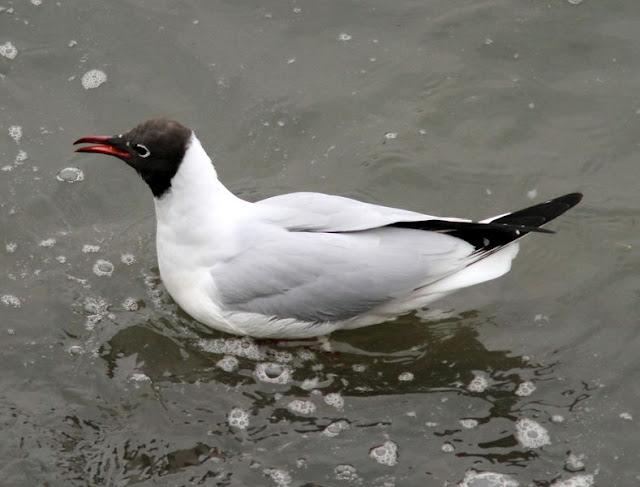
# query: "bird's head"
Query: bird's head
155,149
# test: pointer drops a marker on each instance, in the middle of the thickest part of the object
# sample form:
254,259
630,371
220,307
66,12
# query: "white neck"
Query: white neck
197,204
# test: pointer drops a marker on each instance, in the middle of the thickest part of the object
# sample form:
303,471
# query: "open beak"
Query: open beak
103,144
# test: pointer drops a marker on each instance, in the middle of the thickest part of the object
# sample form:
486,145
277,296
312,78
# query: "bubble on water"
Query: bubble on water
238,418
488,41
358,367
487,479
531,434
70,175
47,242
93,78
468,423
10,300
239,347
525,389
334,399
575,481
11,331
130,304
21,157
90,249
574,462
532,193
344,37
626,416
279,356
128,259
103,268
75,350
15,132
299,406
447,448
557,418
575,2
335,428
72,43
297,10
37,3
139,378
8,50
95,306
391,135
11,247
478,384
346,472
228,363
273,373
281,478
385,454
405,377
61,258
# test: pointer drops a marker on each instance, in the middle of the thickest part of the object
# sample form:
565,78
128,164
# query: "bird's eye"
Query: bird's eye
142,150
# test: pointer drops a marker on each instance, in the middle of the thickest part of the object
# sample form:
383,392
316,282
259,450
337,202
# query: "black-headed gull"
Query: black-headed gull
303,264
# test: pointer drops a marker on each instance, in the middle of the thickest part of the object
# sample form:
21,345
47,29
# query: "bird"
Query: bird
305,264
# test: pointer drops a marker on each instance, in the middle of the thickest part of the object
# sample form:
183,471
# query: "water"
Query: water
456,107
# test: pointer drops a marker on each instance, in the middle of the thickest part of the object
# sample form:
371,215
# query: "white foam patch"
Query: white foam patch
130,304
525,389
70,175
478,384
346,472
281,478
48,242
447,448
302,407
75,350
238,418
228,363
626,416
15,132
574,462
93,78
385,454
20,157
239,347
103,268
10,300
575,481
61,258
487,479
405,377
273,373
11,247
90,249
468,423
128,259
531,434
345,37
334,399
391,135
8,50
335,428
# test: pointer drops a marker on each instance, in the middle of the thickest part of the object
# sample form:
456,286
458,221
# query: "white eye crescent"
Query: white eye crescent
142,150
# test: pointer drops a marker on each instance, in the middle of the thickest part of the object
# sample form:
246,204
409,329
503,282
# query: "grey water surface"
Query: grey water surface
455,107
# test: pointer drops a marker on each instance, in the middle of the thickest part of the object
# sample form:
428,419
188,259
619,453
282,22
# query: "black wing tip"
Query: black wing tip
571,199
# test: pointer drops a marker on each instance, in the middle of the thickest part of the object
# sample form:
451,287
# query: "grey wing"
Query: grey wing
319,212
319,277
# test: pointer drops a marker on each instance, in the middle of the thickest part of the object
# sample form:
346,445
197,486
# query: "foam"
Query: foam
447,448
385,454
345,37
478,384
90,249
93,78
10,300
468,423
228,363
335,428
334,399
15,132
8,50
299,406
487,479
575,481
103,268
238,418
574,462
11,247
61,258
48,242
346,472
525,389
128,259
239,347
405,377
281,478
130,304
531,434
70,175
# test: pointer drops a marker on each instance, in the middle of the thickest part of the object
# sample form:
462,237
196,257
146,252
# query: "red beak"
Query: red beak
104,145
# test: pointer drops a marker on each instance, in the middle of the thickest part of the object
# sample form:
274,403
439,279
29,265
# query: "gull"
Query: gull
304,264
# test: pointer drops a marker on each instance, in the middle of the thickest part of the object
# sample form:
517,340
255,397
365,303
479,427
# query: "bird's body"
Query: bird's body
306,264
